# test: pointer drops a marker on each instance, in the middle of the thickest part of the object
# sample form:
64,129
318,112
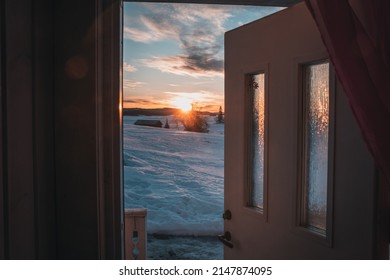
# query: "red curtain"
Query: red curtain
361,58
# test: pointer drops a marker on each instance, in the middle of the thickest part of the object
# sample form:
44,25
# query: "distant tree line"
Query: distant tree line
158,112
194,120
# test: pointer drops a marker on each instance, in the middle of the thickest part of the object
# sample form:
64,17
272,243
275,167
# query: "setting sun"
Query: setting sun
183,103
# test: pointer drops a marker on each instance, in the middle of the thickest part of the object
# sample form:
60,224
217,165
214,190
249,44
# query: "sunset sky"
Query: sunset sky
173,53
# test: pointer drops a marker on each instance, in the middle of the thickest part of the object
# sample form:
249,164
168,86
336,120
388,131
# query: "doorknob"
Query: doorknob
227,215
226,239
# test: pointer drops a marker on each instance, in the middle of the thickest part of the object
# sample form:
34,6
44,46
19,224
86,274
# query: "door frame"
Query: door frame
106,161
109,22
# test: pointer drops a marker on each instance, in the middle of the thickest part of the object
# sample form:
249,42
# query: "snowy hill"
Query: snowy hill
175,174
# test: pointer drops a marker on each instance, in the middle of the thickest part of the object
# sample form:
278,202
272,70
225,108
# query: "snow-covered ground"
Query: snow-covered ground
178,176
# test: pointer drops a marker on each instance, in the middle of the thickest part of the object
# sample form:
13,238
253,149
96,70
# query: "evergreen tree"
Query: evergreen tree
219,118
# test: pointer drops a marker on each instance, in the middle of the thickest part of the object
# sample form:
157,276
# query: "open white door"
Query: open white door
299,181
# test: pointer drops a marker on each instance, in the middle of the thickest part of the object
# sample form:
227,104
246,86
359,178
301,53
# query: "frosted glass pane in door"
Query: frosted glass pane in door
317,132
257,89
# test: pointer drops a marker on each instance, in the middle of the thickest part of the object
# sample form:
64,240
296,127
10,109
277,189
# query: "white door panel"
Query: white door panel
278,46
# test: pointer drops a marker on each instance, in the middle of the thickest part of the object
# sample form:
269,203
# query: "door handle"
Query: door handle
227,215
226,239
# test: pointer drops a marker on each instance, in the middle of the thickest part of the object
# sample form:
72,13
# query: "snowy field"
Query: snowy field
178,176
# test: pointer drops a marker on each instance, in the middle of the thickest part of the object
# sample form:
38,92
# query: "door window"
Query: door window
256,153
316,146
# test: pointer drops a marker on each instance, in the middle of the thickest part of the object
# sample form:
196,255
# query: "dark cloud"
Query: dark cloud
198,31
197,58
204,62
138,102
195,65
202,58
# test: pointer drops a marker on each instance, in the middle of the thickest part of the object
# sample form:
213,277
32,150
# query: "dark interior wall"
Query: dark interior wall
2,134
76,128
43,129
87,129
28,212
60,161
20,142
